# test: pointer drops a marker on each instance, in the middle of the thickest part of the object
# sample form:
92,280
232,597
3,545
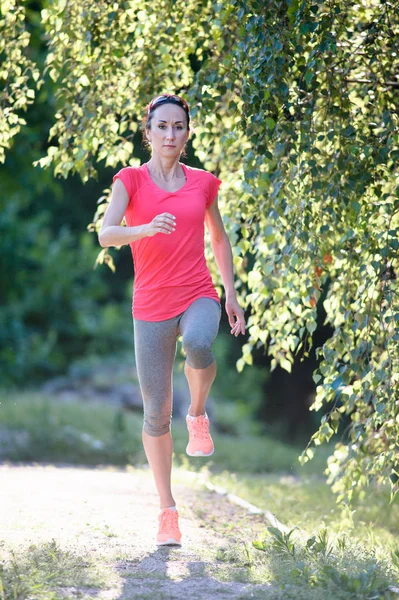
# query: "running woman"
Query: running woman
165,204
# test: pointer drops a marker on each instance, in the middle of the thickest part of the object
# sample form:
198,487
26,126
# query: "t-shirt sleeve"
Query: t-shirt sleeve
125,175
213,184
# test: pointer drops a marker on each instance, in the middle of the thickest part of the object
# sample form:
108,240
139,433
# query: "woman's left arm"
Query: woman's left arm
224,259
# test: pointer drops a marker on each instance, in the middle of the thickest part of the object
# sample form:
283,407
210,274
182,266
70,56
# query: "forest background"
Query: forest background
295,105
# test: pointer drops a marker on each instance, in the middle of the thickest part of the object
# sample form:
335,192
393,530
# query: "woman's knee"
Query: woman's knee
198,352
156,425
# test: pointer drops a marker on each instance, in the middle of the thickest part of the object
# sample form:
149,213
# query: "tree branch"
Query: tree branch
394,84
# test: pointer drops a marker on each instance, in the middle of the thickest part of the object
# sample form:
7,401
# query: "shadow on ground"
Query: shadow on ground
169,574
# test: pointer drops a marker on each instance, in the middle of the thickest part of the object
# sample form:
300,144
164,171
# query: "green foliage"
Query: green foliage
316,158
104,58
297,111
52,301
282,542
16,72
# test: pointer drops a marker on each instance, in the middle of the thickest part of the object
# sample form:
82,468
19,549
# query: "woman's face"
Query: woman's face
168,133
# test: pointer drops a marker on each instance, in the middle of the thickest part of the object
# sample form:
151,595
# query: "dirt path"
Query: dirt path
106,519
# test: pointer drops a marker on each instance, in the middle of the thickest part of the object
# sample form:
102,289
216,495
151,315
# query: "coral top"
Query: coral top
170,270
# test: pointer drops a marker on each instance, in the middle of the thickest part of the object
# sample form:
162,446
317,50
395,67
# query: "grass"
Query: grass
331,552
35,428
46,572
312,566
308,503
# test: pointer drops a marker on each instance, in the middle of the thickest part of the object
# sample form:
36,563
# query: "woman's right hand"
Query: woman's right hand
163,223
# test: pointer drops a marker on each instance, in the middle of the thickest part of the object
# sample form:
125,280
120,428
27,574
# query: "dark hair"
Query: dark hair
160,101
167,99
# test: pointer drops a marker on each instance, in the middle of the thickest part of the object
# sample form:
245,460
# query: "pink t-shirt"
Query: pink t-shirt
170,270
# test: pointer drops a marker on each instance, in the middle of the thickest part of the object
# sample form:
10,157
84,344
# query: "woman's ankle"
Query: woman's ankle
195,412
167,504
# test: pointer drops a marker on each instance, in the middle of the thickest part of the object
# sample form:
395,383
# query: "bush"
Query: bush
54,304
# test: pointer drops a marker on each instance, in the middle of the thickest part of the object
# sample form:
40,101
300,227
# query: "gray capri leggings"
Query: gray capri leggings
155,344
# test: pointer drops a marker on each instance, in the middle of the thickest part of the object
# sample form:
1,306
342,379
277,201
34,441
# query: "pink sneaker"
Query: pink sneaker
168,530
200,441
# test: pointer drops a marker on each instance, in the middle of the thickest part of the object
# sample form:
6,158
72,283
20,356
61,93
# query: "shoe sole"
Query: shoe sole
199,453
169,542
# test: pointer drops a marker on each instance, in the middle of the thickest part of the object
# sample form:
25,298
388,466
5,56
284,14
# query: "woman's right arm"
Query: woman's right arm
112,233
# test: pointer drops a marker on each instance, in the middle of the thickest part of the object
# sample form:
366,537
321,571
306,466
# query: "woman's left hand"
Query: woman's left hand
236,316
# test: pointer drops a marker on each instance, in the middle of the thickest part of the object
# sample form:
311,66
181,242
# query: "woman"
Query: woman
165,204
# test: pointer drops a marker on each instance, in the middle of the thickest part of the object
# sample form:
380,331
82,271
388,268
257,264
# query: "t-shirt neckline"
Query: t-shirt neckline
161,189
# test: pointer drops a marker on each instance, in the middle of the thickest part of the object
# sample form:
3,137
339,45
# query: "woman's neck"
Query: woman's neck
165,169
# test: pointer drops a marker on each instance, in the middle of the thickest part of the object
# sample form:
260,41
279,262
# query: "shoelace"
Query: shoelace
168,521
199,429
